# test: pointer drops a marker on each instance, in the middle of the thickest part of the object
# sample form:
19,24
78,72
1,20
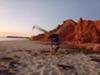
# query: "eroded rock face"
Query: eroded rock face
86,32
80,32
83,31
66,30
39,37
96,47
97,23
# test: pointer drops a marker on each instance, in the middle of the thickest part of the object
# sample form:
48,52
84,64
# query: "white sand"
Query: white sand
30,61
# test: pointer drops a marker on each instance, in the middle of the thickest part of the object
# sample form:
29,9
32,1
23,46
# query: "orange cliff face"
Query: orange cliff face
86,32
66,30
80,32
97,23
83,31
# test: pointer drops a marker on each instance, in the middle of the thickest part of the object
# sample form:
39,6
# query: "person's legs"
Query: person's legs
52,51
54,48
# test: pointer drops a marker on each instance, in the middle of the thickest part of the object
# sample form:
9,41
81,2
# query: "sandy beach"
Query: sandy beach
24,57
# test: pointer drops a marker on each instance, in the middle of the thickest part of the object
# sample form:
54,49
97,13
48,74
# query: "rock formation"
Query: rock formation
80,32
83,31
86,32
66,30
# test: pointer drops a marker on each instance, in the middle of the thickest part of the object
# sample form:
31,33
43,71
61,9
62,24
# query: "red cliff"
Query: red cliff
80,32
86,32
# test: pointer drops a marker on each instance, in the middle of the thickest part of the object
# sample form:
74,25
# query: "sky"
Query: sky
17,17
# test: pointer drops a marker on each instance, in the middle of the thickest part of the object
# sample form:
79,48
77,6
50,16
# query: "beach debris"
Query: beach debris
95,58
6,59
65,66
6,72
44,51
13,64
29,51
35,54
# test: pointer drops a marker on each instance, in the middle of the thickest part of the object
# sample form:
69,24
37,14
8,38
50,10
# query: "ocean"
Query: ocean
9,39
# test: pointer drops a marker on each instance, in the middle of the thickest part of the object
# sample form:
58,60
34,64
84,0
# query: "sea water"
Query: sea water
9,39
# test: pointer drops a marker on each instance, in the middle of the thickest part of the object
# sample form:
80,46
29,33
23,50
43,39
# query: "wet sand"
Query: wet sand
31,58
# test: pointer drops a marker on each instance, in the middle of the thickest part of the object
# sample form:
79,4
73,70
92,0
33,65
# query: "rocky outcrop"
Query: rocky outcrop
66,30
86,32
80,32
83,31
97,23
40,37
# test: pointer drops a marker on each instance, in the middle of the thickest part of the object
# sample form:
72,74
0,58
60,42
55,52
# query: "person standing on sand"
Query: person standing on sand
55,42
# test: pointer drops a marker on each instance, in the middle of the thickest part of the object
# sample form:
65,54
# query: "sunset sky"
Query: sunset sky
18,16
